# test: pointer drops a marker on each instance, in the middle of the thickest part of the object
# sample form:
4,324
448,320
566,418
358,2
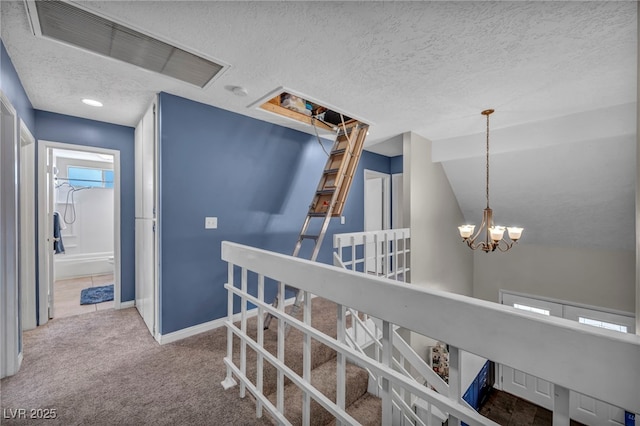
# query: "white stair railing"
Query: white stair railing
562,352
383,253
386,251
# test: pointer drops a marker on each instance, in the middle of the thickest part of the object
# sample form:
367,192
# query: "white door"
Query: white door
376,217
521,384
146,235
584,408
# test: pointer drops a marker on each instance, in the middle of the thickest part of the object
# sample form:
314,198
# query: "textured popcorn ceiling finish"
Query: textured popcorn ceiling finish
426,67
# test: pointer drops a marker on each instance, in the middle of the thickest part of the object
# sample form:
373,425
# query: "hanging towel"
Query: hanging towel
58,247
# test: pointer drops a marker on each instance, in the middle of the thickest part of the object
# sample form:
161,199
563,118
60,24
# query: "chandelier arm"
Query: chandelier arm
482,226
507,245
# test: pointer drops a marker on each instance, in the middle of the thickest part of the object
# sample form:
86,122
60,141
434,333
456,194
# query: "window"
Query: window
88,177
531,309
603,324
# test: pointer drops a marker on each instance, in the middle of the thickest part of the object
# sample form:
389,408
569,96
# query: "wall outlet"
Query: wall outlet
210,222
342,220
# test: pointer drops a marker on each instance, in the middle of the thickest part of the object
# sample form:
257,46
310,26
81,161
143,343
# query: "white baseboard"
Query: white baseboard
127,304
207,326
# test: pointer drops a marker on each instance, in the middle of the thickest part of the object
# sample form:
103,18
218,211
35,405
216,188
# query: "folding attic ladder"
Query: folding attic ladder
331,194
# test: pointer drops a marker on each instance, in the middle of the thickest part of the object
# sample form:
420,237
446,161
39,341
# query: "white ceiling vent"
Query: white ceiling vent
72,25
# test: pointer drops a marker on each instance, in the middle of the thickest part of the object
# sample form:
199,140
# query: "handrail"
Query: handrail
560,351
455,407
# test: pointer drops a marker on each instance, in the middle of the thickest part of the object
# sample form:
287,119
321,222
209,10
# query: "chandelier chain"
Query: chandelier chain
488,160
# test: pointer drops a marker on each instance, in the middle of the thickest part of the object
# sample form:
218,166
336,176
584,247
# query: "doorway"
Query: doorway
79,229
377,216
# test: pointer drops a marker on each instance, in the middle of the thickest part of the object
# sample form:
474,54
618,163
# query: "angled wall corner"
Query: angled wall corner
439,259
638,182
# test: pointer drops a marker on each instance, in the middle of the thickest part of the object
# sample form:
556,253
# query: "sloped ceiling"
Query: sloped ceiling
426,67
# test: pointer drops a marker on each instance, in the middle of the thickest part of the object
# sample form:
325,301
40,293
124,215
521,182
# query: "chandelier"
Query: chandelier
494,234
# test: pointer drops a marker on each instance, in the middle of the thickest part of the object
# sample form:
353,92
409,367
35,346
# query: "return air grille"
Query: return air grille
64,22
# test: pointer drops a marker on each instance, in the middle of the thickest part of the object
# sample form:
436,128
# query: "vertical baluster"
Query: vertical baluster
560,406
387,348
355,326
404,258
395,255
281,336
365,253
376,254
243,327
260,331
353,253
229,381
455,381
341,361
306,360
387,255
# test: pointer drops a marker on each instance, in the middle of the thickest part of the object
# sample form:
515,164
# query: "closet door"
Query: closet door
146,235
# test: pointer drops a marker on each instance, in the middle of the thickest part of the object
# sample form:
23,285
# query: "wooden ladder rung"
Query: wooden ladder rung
309,237
326,191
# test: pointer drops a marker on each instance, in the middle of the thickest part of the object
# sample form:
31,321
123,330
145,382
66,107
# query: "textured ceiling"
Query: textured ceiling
426,67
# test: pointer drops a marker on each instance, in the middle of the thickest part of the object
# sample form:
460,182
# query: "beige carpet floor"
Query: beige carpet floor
104,368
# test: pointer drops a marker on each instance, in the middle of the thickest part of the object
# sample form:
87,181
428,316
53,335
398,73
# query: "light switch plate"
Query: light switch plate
342,220
210,222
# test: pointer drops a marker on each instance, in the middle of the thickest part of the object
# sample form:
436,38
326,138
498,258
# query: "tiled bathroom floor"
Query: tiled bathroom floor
66,295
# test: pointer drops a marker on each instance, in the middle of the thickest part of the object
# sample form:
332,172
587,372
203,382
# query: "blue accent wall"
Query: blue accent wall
80,131
13,89
396,164
257,178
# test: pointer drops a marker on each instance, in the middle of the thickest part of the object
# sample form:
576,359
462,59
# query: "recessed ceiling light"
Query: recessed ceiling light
92,102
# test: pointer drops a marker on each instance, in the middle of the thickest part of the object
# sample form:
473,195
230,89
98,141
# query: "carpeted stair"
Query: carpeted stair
361,405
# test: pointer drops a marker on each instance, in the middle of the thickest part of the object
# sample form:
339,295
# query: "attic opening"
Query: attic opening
81,28
299,108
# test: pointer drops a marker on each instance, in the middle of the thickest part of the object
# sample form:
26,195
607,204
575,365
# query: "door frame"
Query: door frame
28,271
10,328
45,250
386,196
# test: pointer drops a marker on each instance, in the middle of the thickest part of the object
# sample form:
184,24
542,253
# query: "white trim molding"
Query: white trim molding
163,339
10,328
127,304
44,229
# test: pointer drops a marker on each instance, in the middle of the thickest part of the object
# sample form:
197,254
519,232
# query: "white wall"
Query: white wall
593,277
439,258
638,188
88,241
